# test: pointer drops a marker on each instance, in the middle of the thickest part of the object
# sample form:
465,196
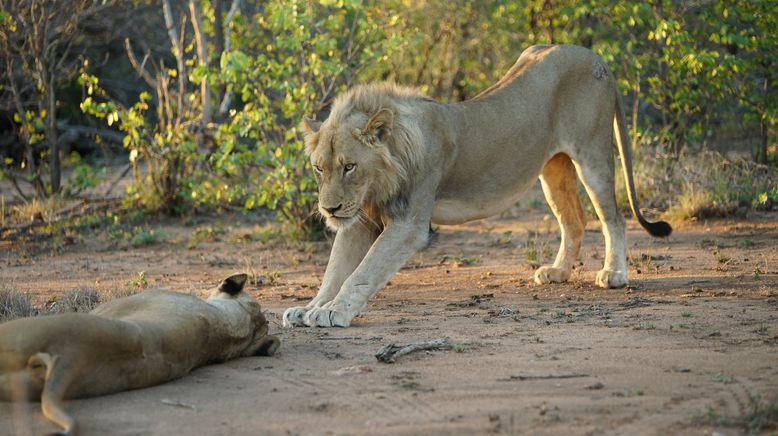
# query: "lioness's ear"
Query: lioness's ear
380,125
310,126
233,284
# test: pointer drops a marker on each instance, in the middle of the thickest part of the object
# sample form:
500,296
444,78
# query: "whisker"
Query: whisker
364,218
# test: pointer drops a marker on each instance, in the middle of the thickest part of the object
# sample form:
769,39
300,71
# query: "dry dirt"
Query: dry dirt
684,350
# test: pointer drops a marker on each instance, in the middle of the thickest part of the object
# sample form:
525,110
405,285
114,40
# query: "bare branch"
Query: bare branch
16,186
139,68
117,179
234,8
202,53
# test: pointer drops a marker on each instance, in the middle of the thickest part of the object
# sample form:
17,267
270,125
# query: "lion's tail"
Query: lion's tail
57,378
659,229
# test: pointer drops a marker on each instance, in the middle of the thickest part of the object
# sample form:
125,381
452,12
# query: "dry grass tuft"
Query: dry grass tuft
702,185
14,304
76,300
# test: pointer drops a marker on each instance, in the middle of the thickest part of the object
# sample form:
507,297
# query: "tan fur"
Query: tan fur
389,161
128,343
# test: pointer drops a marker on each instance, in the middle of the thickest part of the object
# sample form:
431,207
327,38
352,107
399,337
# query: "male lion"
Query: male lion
388,161
127,343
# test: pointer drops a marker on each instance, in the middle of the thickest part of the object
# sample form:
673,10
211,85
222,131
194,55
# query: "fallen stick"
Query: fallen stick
390,353
543,377
117,179
176,403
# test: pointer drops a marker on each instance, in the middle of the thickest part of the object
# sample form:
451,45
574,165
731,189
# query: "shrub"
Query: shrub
75,300
702,185
14,304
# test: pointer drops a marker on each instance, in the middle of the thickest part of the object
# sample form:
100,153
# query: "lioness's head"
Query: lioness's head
365,152
229,292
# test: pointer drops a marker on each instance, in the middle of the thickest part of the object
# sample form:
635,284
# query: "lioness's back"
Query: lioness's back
63,332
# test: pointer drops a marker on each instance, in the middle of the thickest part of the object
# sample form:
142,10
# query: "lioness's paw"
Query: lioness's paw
611,279
327,317
294,316
550,274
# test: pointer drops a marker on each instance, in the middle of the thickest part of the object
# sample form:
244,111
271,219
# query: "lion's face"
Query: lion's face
342,171
345,160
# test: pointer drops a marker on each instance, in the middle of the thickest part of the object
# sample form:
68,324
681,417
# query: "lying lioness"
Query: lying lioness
127,343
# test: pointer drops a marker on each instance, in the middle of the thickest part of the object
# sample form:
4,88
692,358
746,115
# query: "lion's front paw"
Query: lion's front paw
294,316
611,279
551,274
327,317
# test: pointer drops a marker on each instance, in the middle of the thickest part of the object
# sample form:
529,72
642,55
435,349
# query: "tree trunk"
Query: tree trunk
635,109
178,52
218,45
24,135
205,89
764,128
764,132
55,173
226,98
548,6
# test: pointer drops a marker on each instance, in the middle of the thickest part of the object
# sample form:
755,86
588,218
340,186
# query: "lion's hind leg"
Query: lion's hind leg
560,186
597,176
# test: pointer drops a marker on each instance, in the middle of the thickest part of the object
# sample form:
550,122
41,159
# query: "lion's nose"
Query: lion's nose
332,210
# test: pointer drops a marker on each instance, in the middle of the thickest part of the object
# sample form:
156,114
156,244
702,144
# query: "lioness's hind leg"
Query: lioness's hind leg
597,176
560,186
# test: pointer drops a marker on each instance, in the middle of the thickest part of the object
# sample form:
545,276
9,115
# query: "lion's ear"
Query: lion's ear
380,125
233,284
310,126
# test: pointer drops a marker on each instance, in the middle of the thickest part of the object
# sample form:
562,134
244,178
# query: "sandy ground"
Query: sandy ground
688,347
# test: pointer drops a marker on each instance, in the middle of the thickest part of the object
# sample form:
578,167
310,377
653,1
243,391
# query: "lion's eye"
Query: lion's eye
349,167
317,168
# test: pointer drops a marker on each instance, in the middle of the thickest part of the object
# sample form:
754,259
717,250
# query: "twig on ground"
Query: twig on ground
390,353
640,302
543,377
176,403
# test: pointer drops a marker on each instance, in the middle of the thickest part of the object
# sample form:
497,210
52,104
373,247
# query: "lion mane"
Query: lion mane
401,156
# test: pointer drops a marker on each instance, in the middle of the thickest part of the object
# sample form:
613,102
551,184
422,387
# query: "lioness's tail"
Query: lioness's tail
660,228
57,377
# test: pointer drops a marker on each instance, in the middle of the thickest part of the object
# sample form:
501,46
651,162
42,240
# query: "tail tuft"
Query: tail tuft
659,229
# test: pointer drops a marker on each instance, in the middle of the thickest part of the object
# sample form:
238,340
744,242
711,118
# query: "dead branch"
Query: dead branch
139,68
83,208
176,403
390,353
16,186
116,179
70,131
543,377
